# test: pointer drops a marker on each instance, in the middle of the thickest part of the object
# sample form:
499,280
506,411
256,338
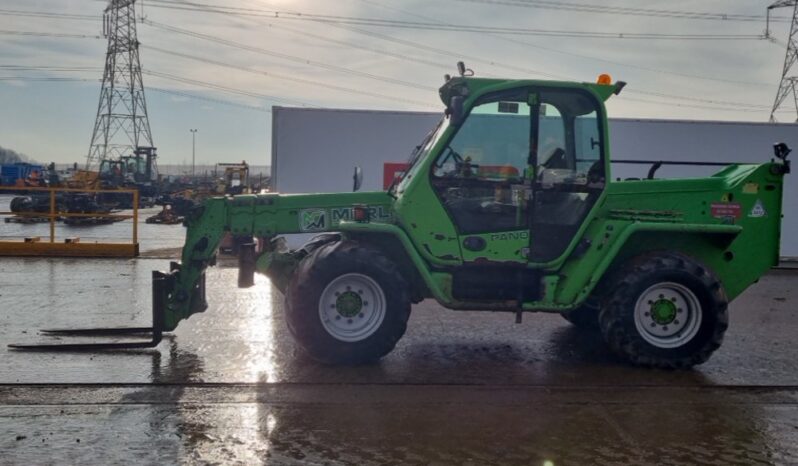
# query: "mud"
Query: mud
230,386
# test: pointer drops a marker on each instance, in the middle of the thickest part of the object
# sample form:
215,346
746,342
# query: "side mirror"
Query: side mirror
357,179
455,110
781,151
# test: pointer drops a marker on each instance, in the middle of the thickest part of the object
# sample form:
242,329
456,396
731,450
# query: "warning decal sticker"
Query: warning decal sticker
758,210
726,210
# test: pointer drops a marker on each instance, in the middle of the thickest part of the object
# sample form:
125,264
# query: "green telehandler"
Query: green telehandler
507,205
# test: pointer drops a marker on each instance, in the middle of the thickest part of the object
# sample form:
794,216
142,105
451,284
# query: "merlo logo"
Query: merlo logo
312,220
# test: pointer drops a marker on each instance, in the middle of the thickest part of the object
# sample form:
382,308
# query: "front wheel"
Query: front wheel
664,310
347,304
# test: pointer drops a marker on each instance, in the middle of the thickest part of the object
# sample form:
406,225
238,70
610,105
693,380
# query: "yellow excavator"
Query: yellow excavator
235,179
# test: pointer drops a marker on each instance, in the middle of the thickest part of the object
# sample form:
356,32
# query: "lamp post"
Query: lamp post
193,150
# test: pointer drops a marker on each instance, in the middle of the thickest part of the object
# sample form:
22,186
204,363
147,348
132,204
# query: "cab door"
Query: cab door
569,169
482,179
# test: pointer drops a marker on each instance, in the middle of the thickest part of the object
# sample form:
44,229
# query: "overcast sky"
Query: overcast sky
311,63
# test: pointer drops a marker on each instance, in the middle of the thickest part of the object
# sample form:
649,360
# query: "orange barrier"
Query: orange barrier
71,247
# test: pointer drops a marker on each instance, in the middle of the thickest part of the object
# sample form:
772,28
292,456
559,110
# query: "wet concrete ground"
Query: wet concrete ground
461,387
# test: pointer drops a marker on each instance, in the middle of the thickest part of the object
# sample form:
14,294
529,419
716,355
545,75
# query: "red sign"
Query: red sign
392,171
726,210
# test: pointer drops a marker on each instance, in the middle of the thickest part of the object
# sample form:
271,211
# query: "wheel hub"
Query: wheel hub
352,307
349,304
663,311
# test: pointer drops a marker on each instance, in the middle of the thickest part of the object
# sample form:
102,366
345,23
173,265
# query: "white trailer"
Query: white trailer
316,150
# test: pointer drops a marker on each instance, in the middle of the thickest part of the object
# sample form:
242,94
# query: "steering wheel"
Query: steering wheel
463,168
451,153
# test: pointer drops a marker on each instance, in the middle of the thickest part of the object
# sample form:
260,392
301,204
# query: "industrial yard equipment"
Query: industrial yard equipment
20,174
166,216
507,205
235,179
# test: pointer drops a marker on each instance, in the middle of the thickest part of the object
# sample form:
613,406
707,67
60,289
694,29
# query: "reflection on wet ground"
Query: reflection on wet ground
461,388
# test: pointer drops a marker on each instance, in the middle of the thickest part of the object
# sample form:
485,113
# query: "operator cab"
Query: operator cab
526,162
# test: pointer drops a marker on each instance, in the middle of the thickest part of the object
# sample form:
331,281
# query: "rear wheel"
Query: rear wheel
347,304
664,310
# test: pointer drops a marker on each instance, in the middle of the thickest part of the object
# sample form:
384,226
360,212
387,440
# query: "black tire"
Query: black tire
315,272
619,326
586,316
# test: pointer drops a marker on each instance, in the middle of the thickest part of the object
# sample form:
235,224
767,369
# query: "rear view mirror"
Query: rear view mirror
781,151
455,110
357,179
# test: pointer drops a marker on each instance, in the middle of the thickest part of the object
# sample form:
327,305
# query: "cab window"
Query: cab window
478,175
569,140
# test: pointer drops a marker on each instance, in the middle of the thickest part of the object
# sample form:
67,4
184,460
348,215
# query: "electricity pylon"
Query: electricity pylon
787,86
122,125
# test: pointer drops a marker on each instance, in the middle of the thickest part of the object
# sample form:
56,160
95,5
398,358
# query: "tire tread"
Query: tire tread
620,301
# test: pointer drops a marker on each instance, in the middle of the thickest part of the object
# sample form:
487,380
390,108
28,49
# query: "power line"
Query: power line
48,34
209,85
706,101
653,70
149,88
46,78
436,50
696,99
45,14
264,51
538,4
287,57
292,79
306,61
581,56
377,22
206,8
251,94
555,5
494,63
527,70
753,109
401,42
246,93
221,87
202,8
359,46
208,99
629,11
49,68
